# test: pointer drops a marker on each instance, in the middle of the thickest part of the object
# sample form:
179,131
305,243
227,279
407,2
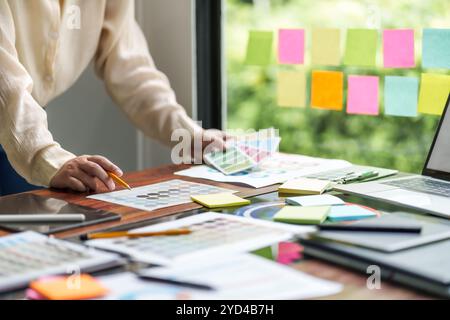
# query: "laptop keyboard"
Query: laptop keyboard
423,185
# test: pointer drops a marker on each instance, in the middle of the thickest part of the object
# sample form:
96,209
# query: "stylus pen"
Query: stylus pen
30,218
180,283
369,228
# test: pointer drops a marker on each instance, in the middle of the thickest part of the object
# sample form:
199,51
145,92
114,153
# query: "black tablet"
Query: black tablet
33,204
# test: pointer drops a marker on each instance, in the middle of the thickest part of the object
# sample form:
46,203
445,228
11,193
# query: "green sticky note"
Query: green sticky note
361,47
400,96
259,48
434,90
302,215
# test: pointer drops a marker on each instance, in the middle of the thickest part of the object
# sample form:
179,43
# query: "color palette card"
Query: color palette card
302,215
220,200
349,212
232,160
316,200
304,186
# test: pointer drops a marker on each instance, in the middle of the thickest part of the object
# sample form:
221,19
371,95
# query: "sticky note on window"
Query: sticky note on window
327,89
362,96
302,215
259,48
436,48
291,88
434,90
349,212
361,47
62,288
326,47
220,200
291,46
400,96
398,48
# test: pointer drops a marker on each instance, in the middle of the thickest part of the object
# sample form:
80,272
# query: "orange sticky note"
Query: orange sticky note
327,90
69,288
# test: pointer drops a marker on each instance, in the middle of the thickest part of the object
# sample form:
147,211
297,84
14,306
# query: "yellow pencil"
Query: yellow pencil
118,234
119,181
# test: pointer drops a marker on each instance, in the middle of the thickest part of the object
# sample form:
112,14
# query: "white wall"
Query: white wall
85,120
169,28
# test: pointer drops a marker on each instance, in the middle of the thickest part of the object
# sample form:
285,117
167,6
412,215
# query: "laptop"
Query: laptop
429,192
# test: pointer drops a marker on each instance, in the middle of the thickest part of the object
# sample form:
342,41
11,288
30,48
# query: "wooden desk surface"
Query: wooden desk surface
354,283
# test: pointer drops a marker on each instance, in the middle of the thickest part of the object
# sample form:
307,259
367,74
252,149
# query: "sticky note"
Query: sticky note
349,212
291,46
304,186
220,200
291,87
315,200
400,96
362,95
436,48
326,47
434,90
398,48
361,47
302,215
69,288
289,252
259,48
327,89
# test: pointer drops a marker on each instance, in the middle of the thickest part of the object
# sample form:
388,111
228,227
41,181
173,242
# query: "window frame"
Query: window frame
209,56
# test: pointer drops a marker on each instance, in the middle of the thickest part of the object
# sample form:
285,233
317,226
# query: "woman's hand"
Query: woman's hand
81,174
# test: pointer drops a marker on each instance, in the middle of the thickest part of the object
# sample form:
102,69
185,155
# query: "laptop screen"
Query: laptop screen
438,163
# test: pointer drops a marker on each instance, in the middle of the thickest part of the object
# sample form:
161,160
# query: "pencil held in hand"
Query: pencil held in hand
119,180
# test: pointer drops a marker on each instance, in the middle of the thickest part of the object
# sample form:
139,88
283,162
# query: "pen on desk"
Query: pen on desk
180,283
370,228
118,234
119,180
360,177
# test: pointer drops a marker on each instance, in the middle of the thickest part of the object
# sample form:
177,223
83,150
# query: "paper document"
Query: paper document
277,169
240,277
213,234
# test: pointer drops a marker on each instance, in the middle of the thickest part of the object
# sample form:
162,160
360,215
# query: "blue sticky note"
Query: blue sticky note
436,48
349,212
400,96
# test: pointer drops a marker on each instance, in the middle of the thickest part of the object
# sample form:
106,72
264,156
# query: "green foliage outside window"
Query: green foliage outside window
386,141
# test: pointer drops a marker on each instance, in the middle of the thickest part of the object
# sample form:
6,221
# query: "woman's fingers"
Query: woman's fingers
86,179
75,184
106,164
95,170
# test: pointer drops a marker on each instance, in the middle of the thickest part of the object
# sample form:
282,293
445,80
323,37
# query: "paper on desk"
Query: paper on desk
277,169
238,277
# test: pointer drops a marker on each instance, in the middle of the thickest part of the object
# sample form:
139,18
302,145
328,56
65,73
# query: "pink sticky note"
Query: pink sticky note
291,46
288,252
362,96
398,48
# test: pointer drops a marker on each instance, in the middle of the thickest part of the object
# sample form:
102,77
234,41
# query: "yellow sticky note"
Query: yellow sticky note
291,89
326,47
302,215
434,90
327,89
69,288
304,186
219,200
